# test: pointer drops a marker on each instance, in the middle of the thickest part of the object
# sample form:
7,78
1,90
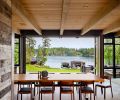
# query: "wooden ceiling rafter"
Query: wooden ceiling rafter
114,27
100,15
65,9
117,34
8,2
19,10
15,29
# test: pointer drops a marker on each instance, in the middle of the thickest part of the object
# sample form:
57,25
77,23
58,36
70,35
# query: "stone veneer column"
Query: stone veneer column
5,51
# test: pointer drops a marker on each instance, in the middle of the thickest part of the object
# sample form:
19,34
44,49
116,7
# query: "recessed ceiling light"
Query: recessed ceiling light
23,24
85,5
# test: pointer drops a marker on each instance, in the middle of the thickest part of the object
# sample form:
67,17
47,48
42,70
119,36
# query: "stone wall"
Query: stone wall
5,51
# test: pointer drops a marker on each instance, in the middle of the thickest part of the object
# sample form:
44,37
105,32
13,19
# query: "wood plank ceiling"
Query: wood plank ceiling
63,15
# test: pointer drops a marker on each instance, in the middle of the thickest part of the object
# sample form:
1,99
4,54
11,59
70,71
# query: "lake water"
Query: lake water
56,61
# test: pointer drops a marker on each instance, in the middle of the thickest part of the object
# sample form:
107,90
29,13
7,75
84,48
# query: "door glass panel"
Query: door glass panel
108,60
117,55
107,40
108,56
117,40
16,52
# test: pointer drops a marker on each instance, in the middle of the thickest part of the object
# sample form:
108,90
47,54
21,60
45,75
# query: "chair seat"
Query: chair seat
104,85
25,90
87,90
47,90
66,89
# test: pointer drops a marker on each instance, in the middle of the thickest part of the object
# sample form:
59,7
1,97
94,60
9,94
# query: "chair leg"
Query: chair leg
37,90
96,90
52,96
71,96
79,94
31,96
94,96
17,96
111,92
41,96
60,96
90,96
101,90
21,96
84,95
104,93
34,90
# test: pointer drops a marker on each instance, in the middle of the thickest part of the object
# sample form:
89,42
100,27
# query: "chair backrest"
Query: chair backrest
23,84
46,83
66,83
107,78
88,83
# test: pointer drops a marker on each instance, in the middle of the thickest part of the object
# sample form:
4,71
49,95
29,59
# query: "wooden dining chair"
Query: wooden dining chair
106,84
67,87
36,84
86,89
24,88
46,87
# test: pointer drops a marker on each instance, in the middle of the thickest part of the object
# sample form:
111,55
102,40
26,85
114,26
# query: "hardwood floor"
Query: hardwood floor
116,94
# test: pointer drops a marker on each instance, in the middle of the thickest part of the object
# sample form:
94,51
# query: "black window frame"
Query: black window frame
114,55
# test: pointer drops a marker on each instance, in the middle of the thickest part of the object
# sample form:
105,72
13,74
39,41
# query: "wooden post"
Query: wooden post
22,54
99,55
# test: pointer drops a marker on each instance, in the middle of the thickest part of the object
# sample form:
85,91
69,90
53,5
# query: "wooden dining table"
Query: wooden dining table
82,77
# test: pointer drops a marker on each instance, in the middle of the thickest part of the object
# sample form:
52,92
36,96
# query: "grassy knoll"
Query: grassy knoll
36,68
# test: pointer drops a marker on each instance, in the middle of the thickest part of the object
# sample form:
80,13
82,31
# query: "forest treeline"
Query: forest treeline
61,51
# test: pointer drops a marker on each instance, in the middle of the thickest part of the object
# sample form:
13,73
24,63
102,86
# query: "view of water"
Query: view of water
56,61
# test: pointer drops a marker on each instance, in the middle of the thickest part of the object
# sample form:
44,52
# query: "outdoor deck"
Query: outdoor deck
116,93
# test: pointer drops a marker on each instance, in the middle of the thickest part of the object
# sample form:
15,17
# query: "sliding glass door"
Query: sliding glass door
117,57
112,57
108,57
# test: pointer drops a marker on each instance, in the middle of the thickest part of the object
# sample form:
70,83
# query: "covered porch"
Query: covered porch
20,19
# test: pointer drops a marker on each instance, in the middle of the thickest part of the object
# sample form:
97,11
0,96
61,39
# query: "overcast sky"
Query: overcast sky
69,42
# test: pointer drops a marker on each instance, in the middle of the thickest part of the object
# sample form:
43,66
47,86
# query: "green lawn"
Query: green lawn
36,68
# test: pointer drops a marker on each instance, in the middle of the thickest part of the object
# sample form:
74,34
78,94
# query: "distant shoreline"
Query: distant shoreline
56,61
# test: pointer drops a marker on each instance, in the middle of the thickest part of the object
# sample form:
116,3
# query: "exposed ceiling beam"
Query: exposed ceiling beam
65,9
117,34
15,29
100,15
114,27
19,10
8,2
